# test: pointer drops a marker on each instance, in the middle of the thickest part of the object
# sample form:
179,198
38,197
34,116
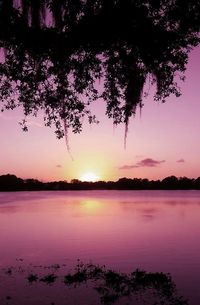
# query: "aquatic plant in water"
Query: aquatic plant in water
112,287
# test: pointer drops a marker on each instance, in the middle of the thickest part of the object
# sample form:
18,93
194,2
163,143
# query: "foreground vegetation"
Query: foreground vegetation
13,183
110,286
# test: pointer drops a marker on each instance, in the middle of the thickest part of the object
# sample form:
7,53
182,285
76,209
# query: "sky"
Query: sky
163,141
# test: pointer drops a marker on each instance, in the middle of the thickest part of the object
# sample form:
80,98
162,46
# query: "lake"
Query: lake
155,231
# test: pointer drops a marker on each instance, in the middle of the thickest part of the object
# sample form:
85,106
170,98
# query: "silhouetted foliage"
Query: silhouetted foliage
33,184
32,278
49,278
197,183
12,183
55,51
111,286
170,182
157,288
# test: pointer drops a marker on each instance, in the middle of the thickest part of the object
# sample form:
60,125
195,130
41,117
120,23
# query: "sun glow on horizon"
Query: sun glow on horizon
89,177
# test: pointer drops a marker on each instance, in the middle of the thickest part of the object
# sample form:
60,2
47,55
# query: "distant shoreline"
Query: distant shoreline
11,183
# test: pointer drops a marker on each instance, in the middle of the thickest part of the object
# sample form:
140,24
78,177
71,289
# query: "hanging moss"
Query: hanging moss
56,50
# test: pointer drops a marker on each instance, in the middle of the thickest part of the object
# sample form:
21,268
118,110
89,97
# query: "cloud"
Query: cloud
33,123
148,162
139,156
58,166
180,161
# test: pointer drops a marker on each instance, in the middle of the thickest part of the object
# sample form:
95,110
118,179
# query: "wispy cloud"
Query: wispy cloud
58,166
180,161
139,156
148,162
33,123
128,166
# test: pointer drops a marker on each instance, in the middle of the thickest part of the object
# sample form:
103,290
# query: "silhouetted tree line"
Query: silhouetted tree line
12,183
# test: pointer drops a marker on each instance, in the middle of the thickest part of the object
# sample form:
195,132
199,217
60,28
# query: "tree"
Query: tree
170,183
56,50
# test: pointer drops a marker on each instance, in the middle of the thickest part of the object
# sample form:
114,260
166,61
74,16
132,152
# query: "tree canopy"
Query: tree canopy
55,51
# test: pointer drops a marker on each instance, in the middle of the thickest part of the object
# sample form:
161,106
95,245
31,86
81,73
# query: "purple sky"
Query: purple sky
163,141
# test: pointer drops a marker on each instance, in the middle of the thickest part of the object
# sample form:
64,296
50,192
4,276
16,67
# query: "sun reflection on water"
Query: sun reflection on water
91,206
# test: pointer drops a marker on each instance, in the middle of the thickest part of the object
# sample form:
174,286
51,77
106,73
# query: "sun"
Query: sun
89,177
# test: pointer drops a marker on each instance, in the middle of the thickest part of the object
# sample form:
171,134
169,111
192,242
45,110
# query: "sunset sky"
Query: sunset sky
163,141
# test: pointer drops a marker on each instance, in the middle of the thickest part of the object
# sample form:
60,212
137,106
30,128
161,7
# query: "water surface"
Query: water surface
151,230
